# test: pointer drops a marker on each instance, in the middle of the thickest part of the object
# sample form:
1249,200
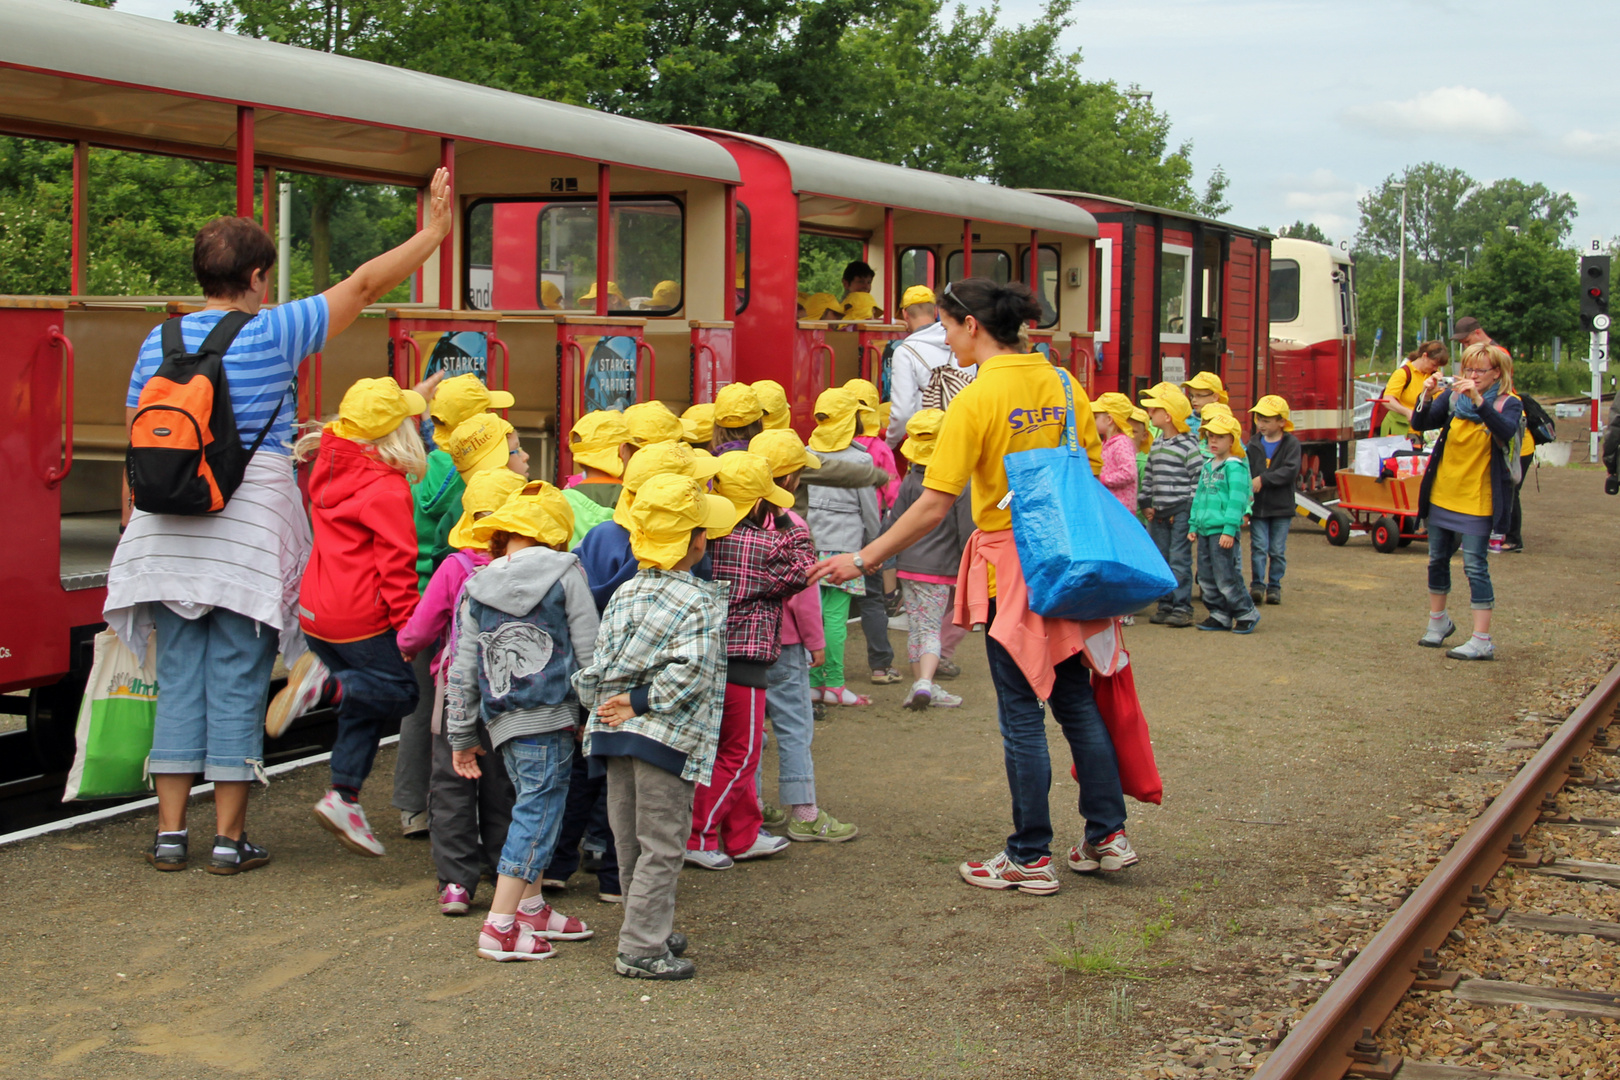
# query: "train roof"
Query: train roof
1295,246
1148,208
843,176
95,48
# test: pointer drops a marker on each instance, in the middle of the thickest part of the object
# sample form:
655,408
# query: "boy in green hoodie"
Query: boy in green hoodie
1219,503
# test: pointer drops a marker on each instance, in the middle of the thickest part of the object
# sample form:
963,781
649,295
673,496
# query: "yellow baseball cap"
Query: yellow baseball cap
1209,382
371,408
1214,408
746,478
656,459
736,405
922,435
540,512
595,440
550,295
1222,424
486,492
650,422
835,419
1169,397
1115,405
773,399
816,306
666,294
1274,405
917,294
783,448
867,395
613,294
478,443
464,397
668,508
697,424
860,306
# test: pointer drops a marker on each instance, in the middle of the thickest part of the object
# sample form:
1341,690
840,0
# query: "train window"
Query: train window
822,259
1046,285
541,254
992,263
1174,293
916,268
1347,304
743,247
1284,290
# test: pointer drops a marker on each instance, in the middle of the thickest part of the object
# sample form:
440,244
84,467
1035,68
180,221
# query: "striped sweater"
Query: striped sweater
1172,471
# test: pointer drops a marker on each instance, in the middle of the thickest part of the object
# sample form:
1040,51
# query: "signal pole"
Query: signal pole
1595,317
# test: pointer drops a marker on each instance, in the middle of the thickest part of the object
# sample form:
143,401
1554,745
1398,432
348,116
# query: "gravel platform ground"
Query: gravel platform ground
1287,756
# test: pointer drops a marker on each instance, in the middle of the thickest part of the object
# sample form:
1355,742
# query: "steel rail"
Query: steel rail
1363,996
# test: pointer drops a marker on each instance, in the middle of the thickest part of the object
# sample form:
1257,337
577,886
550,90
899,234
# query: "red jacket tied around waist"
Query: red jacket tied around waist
361,577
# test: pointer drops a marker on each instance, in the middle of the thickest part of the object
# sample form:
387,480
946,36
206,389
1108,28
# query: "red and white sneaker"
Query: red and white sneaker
1000,872
347,821
454,900
518,943
1114,853
305,684
552,925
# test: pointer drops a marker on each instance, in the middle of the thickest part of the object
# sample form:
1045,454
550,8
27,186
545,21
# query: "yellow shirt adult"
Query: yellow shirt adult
1405,385
1015,403
1463,484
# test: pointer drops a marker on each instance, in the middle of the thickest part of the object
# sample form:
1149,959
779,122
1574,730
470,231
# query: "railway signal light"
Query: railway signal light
1594,289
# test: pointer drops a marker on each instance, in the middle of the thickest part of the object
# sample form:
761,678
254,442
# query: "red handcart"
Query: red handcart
1383,507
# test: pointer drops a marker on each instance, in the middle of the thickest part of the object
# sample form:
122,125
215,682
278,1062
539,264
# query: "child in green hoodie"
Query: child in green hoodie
1219,503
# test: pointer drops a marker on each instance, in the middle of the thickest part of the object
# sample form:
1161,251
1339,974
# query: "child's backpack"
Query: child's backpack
185,456
1536,420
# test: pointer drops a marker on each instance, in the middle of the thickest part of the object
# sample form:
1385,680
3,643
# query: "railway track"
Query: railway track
1490,927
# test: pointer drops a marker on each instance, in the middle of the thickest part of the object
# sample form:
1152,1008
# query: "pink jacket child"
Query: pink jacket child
1119,469
431,621
801,612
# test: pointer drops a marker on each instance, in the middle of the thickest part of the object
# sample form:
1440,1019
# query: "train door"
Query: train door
1174,308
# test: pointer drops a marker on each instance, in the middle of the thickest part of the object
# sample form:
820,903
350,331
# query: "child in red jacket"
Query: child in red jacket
359,587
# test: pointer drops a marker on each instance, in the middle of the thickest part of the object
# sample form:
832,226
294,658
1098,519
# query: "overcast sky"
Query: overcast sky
1308,103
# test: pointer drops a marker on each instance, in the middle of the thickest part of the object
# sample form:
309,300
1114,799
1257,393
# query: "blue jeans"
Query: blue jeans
1169,531
378,687
1221,581
1268,540
787,705
539,766
1443,544
213,677
1029,765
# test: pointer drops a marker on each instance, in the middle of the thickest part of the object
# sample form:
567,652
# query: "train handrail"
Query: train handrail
652,367
832,360
577,389
416,358
506,364
699,349
56,475
1319,1046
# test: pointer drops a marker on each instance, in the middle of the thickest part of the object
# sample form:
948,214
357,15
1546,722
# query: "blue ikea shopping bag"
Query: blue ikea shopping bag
1084,555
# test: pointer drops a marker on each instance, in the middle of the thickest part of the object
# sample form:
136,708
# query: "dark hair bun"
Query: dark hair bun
1002,309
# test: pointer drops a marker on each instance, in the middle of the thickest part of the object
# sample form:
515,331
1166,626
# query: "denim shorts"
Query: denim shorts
213,676
539,766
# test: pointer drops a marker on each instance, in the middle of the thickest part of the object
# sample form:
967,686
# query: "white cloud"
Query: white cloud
1592,143
1446,110
1323,199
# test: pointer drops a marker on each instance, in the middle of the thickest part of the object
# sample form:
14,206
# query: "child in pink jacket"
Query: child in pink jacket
467,819
1113,415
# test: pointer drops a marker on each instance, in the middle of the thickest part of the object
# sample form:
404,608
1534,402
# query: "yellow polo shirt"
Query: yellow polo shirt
1015,403
1463,484
1405,385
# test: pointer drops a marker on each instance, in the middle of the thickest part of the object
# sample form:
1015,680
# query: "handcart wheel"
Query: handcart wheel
1338,528
1385,534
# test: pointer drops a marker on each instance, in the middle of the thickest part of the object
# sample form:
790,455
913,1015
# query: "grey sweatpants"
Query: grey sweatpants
416,742
650,810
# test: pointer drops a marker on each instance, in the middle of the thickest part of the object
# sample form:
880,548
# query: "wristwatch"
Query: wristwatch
860,563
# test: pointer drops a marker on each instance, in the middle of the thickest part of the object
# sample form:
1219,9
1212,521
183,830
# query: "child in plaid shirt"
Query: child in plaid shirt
654,691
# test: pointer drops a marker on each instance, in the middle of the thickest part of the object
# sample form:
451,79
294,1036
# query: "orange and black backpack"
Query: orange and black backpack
185,455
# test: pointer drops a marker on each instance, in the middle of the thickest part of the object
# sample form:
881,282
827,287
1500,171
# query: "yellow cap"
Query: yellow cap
1169,397
922,435
540,512
1274,405
860,306
595,440
835,419
666,294
867,395
746,478
736,405
479,443
1214,408
816,306
613,294
783,448
917,294
658,458
1117,406
1222,424
885,410
773,399
465,396
372,408
1209,382
697,424
668,508
550,296
650,422
486,492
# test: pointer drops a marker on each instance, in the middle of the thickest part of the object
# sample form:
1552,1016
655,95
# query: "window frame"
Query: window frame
1271,294
1166,336
745,234
1057,291
929,253
570,200
1105,279
1010,256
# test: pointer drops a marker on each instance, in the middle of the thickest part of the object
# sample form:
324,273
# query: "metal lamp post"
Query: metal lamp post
1400,283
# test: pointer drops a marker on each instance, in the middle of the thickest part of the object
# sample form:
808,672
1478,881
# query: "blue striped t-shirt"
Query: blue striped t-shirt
261,364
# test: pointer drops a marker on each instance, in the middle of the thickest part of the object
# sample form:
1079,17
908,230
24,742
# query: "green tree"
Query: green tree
1303,230
1524,288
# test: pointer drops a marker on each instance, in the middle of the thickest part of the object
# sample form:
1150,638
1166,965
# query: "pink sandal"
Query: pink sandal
843,695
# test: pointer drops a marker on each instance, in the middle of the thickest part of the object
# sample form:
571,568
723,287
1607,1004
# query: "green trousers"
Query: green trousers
835,624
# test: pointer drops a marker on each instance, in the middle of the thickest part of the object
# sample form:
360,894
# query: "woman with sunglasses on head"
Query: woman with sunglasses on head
1467,490
1017,402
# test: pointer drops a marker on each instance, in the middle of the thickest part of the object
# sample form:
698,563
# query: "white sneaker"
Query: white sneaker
765,845
710,860
921,695
304,685
943,699
347,821
1113,854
